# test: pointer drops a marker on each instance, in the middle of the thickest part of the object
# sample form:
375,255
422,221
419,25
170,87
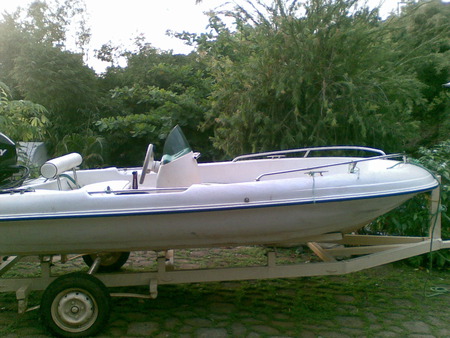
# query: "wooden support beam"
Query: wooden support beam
8,263
435,220
321,252
361,250
380,240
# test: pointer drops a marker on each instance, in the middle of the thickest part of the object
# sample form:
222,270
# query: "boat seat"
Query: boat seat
114,185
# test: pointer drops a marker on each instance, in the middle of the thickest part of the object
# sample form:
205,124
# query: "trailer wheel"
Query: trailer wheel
111,261
75,305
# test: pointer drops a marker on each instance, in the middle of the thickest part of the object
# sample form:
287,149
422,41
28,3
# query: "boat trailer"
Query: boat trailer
78,303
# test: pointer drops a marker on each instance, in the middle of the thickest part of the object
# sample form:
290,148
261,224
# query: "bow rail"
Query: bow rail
307,151
352,164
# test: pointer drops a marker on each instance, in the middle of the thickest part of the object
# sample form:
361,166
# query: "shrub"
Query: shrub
413,217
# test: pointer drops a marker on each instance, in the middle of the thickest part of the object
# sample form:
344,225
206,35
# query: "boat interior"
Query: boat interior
184,171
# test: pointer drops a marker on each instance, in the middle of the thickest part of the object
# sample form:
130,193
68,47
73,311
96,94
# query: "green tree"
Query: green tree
59,81
295,74
421,35
43,22
143,101
39,68
20,119
147,115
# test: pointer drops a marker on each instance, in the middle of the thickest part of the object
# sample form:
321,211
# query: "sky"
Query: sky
119,21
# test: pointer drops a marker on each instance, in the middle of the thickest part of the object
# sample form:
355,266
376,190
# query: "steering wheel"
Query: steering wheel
149,157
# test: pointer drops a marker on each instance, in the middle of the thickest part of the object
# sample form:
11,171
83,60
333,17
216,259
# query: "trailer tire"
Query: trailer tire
75,305
112,261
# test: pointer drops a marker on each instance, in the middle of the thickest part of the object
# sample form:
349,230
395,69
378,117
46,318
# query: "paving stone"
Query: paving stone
118,323
333,335
437,321
135,317
115,332
375,327
345,298
142,329
184,314
348,309
238,329
397,316
307,334
284,324
198,322
281,316
253,335
387,334
352,332
32,331
396,329
250,321
417,327
371,317
266,330
186,329
353,322
218,317
402,303
172,323
211,333
221,324
444,332
223,307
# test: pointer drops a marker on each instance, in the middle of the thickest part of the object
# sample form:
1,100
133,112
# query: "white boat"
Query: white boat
277,198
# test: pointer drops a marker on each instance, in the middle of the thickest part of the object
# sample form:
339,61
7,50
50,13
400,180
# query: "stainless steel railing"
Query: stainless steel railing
352,163
307,151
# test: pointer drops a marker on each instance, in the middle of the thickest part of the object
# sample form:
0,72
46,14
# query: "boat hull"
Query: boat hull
277,225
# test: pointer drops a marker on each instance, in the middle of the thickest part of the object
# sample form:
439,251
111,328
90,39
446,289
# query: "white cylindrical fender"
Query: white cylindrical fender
57,166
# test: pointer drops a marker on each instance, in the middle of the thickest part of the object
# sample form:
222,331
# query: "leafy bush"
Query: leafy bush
413,217
89,145
147,114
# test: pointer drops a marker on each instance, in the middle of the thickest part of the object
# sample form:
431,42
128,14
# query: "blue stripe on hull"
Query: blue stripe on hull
204,209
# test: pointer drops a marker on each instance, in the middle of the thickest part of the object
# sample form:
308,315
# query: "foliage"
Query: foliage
42,23
138,129
332,79
287,74
156,91
22,120
90,146
49,21
421,37
413,217
59,81
39,69
147,115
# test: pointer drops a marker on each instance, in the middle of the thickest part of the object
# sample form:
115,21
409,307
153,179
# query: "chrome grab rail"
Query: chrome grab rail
353,163
137,191
307,151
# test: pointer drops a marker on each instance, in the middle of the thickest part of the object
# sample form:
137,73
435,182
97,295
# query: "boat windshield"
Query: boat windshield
175,146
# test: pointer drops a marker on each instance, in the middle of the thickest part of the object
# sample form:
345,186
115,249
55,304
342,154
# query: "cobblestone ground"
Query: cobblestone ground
388,301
